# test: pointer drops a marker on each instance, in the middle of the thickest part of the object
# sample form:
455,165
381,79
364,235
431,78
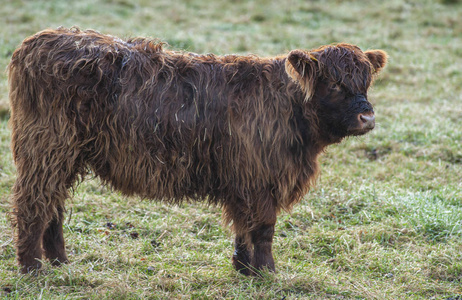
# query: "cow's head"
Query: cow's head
335,80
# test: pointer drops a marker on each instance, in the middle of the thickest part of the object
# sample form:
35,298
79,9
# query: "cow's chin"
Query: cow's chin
358,131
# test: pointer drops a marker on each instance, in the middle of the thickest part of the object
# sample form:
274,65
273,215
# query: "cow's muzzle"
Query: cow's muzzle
366,121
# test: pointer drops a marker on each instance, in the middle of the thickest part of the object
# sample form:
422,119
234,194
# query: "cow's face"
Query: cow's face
335,80
341,112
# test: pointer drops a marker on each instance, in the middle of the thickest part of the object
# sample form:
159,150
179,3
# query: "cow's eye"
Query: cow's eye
334,87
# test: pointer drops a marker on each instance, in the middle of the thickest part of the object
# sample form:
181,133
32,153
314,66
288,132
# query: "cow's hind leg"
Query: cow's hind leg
38,201
39,194
53,240
29,232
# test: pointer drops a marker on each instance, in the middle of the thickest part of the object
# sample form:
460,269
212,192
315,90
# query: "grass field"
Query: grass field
385,218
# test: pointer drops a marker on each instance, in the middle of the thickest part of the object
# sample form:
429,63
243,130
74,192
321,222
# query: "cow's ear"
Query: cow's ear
378,59
301,67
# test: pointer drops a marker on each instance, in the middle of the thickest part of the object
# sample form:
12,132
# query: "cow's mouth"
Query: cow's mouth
365,123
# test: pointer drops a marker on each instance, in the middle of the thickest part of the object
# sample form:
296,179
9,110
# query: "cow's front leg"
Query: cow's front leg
262,239
241,256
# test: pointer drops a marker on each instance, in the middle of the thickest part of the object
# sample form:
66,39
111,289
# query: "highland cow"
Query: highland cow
241,132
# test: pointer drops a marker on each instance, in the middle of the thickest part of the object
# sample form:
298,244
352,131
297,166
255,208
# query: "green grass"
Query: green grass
383,222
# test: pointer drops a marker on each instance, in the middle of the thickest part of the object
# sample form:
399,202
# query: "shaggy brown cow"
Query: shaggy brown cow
242,132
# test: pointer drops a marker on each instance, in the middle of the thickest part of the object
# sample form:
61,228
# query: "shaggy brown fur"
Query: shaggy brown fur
242,132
